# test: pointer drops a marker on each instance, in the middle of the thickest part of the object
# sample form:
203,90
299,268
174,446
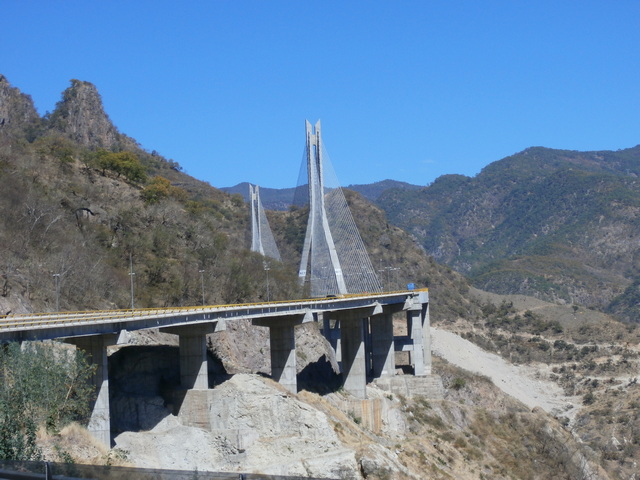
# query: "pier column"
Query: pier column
332,334
194,368
419,331
383,352
193,361
283,356
354,368
283,347
95,347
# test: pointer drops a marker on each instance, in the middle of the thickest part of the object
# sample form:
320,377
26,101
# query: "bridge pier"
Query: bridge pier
283,356
332,335
283,347
354,359
194,372
95,347
382,348
418,325
367,343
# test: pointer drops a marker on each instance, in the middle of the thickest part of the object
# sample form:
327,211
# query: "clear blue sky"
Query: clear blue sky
408,90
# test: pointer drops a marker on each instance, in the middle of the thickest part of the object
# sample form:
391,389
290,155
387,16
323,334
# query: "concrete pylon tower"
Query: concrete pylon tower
262,240
318,221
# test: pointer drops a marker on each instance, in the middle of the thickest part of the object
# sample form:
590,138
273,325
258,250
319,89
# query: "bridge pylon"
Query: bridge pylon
334,257
262,240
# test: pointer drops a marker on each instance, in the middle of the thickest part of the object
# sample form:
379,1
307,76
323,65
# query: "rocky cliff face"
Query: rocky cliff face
17,111
80,116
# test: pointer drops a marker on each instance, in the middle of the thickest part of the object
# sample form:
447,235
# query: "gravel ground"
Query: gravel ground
528,384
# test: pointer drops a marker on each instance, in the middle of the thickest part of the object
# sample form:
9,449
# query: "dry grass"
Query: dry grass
74,443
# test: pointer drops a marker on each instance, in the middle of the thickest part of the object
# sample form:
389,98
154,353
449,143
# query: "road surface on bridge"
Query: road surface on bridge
43,326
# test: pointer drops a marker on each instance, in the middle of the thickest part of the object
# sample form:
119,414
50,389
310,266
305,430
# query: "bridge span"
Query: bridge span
359,327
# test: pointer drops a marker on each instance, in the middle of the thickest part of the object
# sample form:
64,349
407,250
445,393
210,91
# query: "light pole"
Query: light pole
267,267
395,276
131,274
57,277
202,284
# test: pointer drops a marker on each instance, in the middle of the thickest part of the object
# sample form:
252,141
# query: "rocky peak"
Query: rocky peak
17,111
81,117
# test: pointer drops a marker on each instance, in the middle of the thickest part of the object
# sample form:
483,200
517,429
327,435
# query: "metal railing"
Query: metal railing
14,470
47,319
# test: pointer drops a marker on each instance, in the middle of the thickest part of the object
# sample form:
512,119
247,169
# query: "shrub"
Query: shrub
40,384
458,383
588,398
126,164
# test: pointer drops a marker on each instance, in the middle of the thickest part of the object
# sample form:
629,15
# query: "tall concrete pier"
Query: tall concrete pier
95,349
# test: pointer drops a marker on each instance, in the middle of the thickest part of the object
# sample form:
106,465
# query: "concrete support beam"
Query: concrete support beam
283,356
382,346
283,346
95,347
354,365
194,368
419,331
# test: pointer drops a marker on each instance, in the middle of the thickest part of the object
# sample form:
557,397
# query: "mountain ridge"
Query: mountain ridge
283,198
557,224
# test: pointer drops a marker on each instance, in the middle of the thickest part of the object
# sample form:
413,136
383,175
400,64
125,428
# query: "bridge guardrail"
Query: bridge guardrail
45,319
14,470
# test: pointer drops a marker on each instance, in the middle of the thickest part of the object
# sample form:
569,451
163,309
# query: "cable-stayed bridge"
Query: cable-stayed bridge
356,317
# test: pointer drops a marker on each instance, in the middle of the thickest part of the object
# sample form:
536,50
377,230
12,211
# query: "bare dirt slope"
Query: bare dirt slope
528,384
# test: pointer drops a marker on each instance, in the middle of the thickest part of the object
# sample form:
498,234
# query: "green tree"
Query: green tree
160,188
126,164
41,383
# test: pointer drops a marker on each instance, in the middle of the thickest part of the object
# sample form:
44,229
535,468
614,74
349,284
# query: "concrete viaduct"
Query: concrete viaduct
360,328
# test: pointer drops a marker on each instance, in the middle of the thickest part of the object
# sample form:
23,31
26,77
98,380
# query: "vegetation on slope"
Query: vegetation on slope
560,225
40,384
593,357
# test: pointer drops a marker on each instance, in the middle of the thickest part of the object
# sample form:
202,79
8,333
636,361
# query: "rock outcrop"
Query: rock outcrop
80,116
244,424
17,112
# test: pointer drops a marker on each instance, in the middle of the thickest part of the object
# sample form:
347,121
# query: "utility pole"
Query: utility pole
202,284
267,267
57,278
131,274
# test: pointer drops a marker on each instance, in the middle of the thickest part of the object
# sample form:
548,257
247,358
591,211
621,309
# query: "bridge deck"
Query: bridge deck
41,326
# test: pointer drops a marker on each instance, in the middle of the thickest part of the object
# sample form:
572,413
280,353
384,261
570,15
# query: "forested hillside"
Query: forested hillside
559,225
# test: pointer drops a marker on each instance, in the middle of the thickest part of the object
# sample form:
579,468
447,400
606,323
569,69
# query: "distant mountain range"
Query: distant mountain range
281,199
560,225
